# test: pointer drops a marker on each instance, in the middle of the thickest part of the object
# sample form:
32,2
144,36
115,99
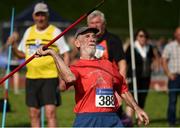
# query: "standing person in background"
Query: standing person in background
42,76
96,81
171,66
109,46
14,62
144,55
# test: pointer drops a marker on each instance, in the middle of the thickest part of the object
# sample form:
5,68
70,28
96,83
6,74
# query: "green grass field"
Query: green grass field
156,106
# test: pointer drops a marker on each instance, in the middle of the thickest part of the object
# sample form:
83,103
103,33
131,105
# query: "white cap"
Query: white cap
40,7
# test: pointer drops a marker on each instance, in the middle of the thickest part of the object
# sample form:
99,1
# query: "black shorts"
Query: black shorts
40,92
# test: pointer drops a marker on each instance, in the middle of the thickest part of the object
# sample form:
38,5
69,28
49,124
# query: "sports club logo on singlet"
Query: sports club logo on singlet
33,47
104,97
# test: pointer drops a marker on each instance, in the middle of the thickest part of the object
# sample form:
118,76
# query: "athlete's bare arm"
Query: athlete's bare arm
66,58
62,68
142,116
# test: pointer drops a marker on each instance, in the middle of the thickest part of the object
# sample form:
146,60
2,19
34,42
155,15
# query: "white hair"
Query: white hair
96,13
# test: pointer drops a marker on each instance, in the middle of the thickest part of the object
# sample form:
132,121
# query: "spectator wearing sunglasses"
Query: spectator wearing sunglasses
144,55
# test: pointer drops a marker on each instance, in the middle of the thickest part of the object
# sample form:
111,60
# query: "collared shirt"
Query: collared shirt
172,54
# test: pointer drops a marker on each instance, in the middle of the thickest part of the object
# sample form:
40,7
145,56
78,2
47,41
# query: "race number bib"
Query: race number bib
104,97
99,51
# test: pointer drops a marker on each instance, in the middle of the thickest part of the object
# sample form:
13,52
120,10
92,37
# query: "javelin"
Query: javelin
7,71
52,41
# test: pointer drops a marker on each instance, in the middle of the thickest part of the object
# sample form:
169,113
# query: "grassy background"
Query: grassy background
156,107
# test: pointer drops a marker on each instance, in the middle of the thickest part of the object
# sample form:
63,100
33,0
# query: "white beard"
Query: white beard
89,51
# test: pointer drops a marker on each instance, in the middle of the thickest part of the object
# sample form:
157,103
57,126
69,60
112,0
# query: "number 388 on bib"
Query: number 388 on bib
104,97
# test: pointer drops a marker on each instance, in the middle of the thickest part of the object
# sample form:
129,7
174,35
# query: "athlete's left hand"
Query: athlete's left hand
142,117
